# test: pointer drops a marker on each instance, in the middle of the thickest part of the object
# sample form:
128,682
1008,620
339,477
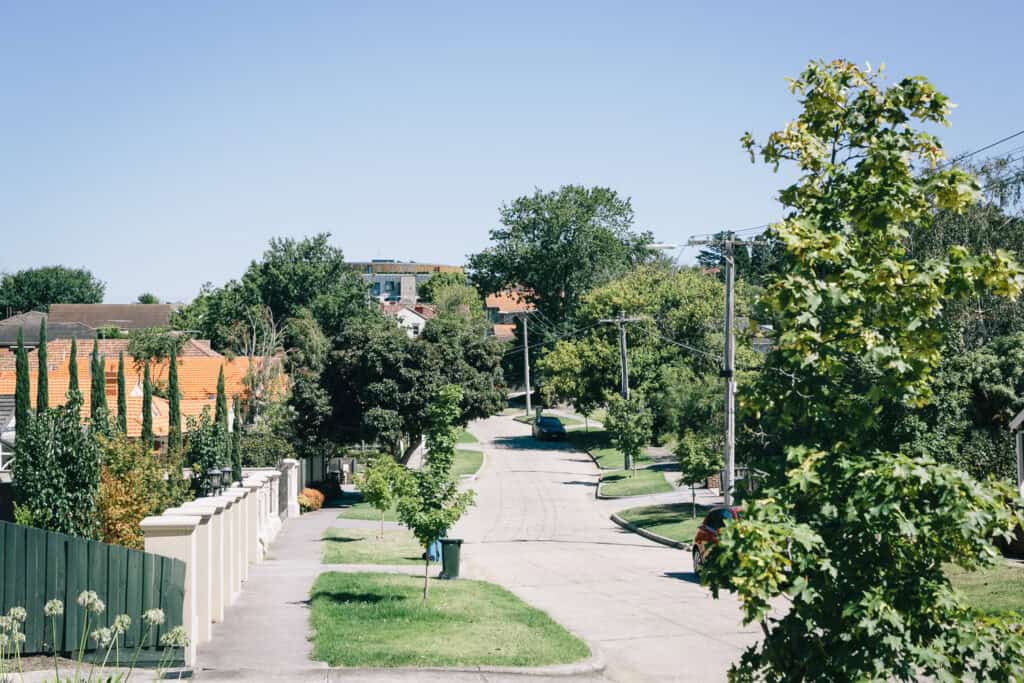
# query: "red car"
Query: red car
707,533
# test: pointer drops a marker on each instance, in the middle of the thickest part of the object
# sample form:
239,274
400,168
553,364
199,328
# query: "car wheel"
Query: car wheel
698,561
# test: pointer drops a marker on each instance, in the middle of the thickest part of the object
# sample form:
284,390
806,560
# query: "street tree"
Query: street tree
629,426
34,289
383,483
855,534
559,245
699,458
434,503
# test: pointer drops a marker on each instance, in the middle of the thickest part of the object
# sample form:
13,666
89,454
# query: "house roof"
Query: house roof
58,351
424,311
122,316
508,301
29,324
504,332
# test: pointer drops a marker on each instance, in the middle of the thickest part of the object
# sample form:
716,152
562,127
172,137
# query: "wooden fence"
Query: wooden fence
37,566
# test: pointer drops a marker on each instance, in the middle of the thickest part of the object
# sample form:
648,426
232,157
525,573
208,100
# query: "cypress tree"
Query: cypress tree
236,443
220,415
98,391
147,410
43,376
174,405
73,369
122,396
22,404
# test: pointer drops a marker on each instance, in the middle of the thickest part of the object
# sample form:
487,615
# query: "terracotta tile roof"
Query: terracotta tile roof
122,316
508,301
425,311
505,332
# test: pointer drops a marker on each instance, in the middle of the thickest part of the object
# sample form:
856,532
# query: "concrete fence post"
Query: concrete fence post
240,545
175,536
273,504
254,529
291,471
217,505
228,565
201,570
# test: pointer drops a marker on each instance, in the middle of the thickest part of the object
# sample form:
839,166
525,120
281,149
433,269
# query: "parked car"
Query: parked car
707,533
548,428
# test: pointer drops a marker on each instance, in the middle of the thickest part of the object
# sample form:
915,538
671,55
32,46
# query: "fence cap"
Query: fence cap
254,483
216,502
236,494
290,462
190,511
169,524
201,508
223,501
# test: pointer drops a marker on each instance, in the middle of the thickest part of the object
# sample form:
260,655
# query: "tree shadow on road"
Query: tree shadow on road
689,577
528,443
577,482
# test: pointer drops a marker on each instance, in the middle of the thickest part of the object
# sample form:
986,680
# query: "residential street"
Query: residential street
538,530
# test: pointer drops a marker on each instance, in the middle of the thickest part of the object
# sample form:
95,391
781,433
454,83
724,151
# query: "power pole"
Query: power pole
526,363
621,321
728,372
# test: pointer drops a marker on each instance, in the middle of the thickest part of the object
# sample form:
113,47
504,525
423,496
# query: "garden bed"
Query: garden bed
380,620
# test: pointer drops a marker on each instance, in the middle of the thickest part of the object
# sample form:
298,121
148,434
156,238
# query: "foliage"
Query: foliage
147,298
22,389
236,443
309,402
122,396
383,483
174,441
698,459
854,531
434,502
73,387
42,372
34,289
56,473
755,263
262,448
438,281
132,486
154,344
629,426
205,449
220,413
97,383
310,500
559,245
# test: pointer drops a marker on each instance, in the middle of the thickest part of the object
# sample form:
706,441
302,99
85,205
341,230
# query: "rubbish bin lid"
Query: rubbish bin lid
456,541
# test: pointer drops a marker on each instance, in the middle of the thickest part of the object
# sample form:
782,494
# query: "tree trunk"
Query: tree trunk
426,571
693,502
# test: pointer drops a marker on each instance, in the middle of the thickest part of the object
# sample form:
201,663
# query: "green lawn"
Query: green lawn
672,521
379,620
363,510
467,462
361,546
596,443
640,483
466,437
991,591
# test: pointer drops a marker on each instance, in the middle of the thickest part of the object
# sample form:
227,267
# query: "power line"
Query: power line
987,147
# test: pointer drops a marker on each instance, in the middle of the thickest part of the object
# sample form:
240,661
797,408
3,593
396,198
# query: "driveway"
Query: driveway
538,530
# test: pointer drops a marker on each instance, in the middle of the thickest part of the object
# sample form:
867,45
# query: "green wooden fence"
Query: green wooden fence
37,566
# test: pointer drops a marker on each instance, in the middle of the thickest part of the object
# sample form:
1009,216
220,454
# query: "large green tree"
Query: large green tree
22,389
426,291
559,245
855,533
34,289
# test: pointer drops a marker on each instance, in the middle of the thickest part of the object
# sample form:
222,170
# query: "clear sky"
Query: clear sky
162,144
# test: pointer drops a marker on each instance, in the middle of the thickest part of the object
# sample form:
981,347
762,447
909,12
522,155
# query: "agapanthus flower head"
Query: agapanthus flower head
85,598
19,614
153,617
53,608
18,637
5,624
4,640
102,636
176,637
96,606
121,624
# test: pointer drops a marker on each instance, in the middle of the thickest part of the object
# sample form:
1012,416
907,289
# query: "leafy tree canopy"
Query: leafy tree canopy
147,298
426,291
34,289
856,534
559,245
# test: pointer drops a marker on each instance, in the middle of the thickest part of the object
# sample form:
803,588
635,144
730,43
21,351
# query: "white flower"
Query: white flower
85,598
53,608
153,617
4,640
19,637
176,637
6,623
17,614
102,636
121,624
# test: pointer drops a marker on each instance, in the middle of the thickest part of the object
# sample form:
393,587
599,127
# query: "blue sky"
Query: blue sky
162,144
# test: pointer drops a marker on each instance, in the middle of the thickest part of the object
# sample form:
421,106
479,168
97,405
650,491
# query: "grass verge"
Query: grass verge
641,482
379,620
991,591
467,462
363,510
361,546
672,521
466,437
597,443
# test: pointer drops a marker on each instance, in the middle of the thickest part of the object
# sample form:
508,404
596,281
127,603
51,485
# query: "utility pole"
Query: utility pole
621,321
526,363
728,372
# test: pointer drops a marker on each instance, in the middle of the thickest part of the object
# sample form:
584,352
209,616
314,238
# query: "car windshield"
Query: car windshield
550,422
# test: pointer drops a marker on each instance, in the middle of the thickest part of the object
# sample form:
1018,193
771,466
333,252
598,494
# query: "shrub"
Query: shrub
262,448
310,500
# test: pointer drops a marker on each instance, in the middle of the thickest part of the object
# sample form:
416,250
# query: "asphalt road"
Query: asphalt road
538,530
